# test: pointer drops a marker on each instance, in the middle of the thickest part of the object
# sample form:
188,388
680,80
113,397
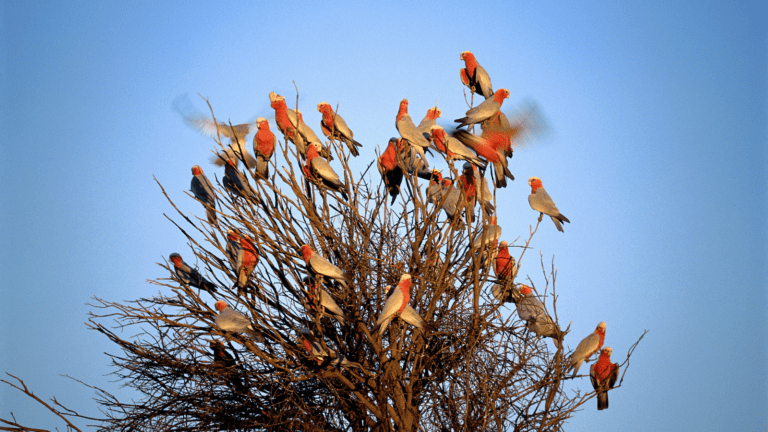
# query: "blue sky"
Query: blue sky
656,153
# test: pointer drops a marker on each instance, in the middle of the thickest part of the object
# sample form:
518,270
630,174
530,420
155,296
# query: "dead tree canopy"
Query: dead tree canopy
307,300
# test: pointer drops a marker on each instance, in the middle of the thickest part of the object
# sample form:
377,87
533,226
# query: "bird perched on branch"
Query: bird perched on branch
504,266
231,320
235,182
390,169
541,202
264,143
322,301
190,276
532,311
603,375
203,190
415,139
334,127
429,120
588,346
320,354
243,256
474,76
320,170
320,267
485,110
396,306
452,148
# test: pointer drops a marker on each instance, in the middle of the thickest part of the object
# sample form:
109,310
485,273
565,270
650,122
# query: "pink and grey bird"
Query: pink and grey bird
588,346
435,189
231,320
237,147
484,195
204,192
416,140
334,127
491,150
320,170
451,204
190,276
409,314
320,354
390,169
284,123
322,301
504,265
235,182
541,202
604,375
395,306
242,255
452,148
264,143
320,267
474,76
429,120
532,311
490,235
485,110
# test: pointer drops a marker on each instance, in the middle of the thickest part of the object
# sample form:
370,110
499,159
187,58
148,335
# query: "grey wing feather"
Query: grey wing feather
541,202
409,131
323,168
483,81
412,317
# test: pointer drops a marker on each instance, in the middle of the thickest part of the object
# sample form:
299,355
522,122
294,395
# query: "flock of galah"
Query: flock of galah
404,155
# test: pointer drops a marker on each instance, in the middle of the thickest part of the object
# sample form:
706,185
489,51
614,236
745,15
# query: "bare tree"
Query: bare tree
474,366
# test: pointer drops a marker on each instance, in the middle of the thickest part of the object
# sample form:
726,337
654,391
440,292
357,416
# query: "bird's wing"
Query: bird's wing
393,303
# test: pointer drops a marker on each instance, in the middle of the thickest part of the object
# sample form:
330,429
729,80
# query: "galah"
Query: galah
235,182
452,148
242,255
319,266
484,193
222,359
391,171
264,143
604,375
395,306
410,133
409,314
284,124
321,170
485,110
541,202
490,234
490,151
532,311
504,266
334,127
506,293
204,192
190,276
319,299
451,198
588,346
297,120
231,320
474,76
320,354
429,120
435,189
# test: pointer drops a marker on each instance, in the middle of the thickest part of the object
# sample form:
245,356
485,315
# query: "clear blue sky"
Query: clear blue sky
657,154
